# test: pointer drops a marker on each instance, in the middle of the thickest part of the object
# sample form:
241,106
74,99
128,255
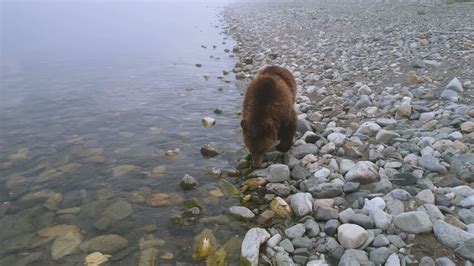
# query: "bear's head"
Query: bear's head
259,138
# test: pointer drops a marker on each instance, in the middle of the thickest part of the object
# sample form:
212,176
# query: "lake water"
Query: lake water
92,96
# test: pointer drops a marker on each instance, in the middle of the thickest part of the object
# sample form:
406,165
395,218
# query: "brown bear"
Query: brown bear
268,114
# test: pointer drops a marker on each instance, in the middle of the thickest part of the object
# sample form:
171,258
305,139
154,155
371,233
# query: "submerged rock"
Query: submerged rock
205,244
107,244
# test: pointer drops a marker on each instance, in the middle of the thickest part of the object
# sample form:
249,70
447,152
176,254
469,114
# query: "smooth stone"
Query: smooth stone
414,222
65,245
303,150
380,218
363,172
251,244
450,235
297,230
393,260
301,203
380,241
312,228
465,249
427,261
455,85
107,244
287,245
444,261
431,163
278,173
354,257
425,197
379,255
351,236
241,212
386,136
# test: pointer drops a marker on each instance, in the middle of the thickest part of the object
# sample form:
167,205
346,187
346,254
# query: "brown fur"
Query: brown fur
268,112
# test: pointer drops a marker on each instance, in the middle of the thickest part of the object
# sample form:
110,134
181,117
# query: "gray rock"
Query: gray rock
296,230
301,203
386,136
282,190
368,128
345,215
449,95
386,121
465,249
379,255
326,213
330,227
380,241
363,102
107,244
426,116
383,186
345,165
431,163
444,261
455,85
286,244
242,213
350,187
274,240
337,138
188,182
312,228
425,196
303,150
351,235
466,215
380,218
299,172
395,207
432,211
363,172
303,126
467,202
278,173
427,261
393,260
251,244
354,257
400,194
450,235
334,249
414,222
362,220
302,242
397,241
404,179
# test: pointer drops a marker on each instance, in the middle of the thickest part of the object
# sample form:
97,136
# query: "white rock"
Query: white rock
274,240
425,196
322,173
337,138
351,236
251,244
208,121
393,260
375,203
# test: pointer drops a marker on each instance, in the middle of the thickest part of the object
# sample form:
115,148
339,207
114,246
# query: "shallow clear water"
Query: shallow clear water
86,87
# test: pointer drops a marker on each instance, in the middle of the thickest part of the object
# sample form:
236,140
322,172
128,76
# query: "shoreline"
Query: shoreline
379,172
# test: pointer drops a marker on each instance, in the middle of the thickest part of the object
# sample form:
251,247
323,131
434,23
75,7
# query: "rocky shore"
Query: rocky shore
381,171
